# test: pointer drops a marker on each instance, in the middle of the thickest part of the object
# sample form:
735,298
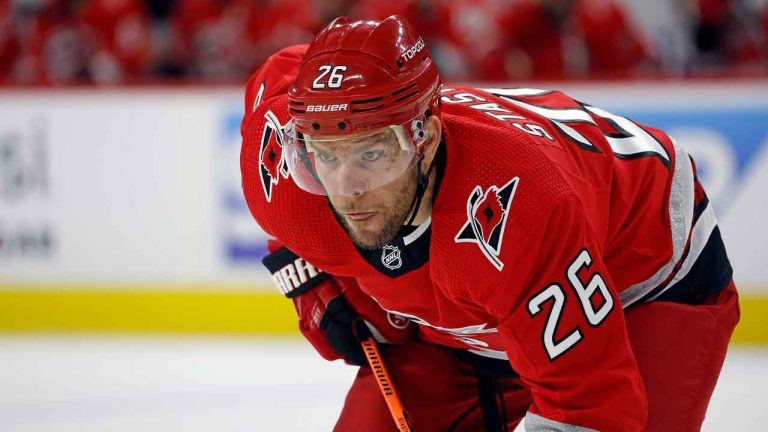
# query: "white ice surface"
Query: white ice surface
58,384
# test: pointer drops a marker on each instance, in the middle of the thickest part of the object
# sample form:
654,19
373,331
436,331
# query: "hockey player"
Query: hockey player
561,263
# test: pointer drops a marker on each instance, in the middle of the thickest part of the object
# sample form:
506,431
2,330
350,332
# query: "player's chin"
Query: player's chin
366,239
369,238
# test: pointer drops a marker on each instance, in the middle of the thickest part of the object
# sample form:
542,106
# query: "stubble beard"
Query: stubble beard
399,208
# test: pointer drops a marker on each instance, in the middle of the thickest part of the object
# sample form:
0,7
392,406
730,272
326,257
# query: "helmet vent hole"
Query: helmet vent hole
400,99
315,126
360,110
342,125
399,63
404,89
365,101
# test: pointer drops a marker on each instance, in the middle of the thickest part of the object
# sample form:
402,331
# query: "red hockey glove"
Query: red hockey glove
329,307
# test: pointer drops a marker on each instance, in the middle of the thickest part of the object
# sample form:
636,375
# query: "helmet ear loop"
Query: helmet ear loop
422,183
419,131
424,177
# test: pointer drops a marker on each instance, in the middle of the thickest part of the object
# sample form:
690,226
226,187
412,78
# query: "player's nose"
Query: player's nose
350,182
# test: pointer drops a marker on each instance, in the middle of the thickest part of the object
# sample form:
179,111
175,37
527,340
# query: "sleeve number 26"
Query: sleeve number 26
555,292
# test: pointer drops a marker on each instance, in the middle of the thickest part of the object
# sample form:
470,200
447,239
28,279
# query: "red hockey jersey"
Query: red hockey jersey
550,217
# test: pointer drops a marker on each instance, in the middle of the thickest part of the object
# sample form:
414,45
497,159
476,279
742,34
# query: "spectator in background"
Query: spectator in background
727,32
613,46
533,38
220,41
214,38
168,62
74,42
464,35
223,39
281,23
9,47
54,47
434,20
121,38
327,10
470,36
555,39
765,22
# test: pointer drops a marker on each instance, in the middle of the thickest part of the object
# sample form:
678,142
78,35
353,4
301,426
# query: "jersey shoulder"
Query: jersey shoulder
493,148
271,79
499,192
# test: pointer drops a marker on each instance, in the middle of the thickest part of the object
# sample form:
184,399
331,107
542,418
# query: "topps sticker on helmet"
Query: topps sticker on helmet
487,212
413,50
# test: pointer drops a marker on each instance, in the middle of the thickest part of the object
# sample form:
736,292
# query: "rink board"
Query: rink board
121,209
205,310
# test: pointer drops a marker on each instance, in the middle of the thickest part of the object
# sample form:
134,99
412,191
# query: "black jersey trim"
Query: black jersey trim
397,258
710,273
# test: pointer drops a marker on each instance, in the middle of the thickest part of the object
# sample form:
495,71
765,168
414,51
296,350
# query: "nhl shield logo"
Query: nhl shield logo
271,164
487,212
390,257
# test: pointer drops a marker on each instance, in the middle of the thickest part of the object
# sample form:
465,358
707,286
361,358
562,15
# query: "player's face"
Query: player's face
348,168
352,165
370,179
372,219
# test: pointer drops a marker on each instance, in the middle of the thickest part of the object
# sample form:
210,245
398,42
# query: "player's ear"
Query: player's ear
434,133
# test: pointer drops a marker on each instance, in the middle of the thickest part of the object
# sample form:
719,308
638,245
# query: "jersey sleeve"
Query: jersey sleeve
564,331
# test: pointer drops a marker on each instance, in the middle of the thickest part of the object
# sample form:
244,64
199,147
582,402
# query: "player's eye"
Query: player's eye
325,157
372,155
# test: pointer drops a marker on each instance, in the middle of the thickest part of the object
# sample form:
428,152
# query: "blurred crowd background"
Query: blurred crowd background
66,42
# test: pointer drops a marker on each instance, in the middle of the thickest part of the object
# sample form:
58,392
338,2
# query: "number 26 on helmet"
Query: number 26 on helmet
359,105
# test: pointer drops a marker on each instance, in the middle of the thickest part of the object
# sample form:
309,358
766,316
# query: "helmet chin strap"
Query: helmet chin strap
421,187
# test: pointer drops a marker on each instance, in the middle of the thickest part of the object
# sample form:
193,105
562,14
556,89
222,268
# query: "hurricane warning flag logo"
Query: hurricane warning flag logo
487,213
271,164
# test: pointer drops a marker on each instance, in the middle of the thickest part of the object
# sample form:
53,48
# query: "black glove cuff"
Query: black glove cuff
337,324
292,275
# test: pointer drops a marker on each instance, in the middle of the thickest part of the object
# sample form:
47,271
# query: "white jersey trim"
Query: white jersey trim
537,423
560,114
519,92
412,237
701,233
639,142
681,202
498,355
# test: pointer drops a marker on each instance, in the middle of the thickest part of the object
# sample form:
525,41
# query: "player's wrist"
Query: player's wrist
292,274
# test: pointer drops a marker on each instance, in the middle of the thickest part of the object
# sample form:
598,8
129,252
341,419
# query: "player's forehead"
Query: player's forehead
385,134
375,133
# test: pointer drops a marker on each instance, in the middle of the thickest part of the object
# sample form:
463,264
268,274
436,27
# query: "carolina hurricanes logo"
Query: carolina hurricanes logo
271,155
487,213
397,321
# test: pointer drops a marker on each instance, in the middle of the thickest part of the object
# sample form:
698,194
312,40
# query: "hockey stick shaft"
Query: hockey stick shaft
387,387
